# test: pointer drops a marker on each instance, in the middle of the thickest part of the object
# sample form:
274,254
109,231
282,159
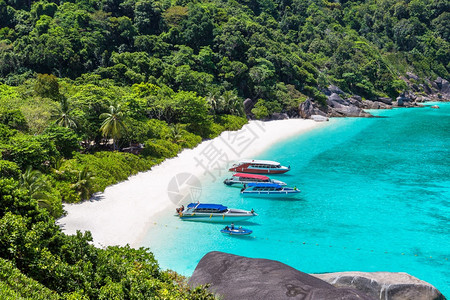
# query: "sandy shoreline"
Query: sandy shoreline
121,214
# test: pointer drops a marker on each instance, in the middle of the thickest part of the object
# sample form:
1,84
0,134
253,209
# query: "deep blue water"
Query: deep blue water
375,197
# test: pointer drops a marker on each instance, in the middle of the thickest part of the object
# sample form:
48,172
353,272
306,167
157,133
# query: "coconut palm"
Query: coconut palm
38,188
84,184
113,125
63,114
176,133
231,103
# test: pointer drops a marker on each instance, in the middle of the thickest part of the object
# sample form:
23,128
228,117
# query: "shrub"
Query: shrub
160,148
9,169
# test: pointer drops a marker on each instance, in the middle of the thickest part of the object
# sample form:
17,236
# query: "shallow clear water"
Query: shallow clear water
375,197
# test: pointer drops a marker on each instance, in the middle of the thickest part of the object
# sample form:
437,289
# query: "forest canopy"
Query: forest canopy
92,92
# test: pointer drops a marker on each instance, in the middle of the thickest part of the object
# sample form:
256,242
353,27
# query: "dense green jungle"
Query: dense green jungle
92,92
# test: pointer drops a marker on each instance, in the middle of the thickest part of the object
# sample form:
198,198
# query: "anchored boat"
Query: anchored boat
269,190
239,179
231,230
214,213
259,167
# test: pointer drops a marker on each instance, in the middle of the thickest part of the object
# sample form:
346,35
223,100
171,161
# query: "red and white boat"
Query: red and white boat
240,179
259,167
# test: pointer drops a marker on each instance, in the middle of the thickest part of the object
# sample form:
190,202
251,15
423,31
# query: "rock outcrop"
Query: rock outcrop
238,277
384,285
308,108
339,107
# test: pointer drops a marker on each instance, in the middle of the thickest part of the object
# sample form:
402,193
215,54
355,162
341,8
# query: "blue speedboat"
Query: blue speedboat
269,190
214,213
231,230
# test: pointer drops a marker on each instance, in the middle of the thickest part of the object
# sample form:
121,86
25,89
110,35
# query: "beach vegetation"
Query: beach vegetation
81,81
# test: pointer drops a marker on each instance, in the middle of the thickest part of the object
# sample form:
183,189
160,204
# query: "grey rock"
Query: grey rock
307,108
336,90
384,285
279,116
412,76
237,277
248,105
319,118
385,100
334,100
426,88
348,111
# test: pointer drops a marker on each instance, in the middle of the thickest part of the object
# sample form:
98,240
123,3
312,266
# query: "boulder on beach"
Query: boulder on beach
237,277
308,108
384,285
319,118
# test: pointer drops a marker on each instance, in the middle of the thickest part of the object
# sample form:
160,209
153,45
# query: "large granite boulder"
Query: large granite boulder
443,87
307,108
384,285
248,105
332,89
338,107
279,116
385,100
238,277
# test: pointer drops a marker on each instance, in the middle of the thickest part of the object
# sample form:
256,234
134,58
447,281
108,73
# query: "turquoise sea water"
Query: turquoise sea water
375,197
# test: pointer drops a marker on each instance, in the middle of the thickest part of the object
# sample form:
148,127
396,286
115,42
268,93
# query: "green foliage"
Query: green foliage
47,86
108,167
260,110
230,122
15,285
65,140
27,150
9,169
160,148
13,118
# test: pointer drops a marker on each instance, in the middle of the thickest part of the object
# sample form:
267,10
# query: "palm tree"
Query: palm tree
63,114
37,186
113,124
232,104
176,133
84,184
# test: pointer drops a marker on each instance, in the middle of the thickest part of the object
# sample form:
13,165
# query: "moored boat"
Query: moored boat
231,230
239,179
214,213
269,190
259,167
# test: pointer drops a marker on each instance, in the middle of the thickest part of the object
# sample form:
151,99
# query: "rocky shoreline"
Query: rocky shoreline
238,277
340,104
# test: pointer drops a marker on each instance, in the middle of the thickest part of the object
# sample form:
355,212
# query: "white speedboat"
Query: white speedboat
268,190
259,167
214,213
239,179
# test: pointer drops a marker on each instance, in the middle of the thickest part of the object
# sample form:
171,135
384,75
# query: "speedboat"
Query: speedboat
270,190
214,213
259,167
231,230
239,179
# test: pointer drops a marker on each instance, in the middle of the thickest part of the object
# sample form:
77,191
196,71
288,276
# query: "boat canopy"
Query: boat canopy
262,177
219,207
260,162
265,185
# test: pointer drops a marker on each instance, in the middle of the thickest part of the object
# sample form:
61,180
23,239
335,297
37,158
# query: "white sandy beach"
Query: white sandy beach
121,214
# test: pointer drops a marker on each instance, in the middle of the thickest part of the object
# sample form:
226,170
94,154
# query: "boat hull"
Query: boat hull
259,170
242,231
241,183
270,194
219,218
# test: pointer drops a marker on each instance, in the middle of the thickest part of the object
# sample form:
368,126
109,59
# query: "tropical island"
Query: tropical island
92,92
